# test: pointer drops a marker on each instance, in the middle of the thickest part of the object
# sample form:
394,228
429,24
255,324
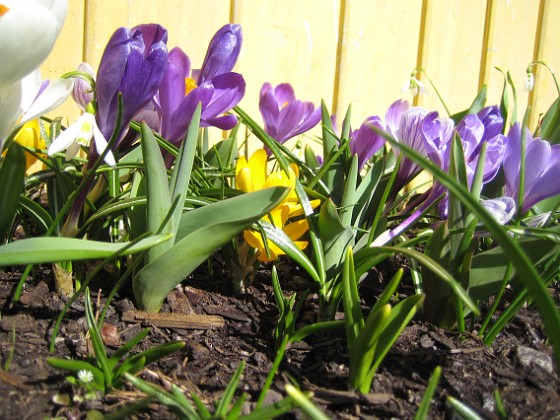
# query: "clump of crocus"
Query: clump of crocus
251,175
285,116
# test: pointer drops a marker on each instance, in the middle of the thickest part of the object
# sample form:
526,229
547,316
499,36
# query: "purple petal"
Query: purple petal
394,115
222,53
172,89
229,89
365,142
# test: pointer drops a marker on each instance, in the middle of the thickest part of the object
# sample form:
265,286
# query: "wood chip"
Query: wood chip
175,320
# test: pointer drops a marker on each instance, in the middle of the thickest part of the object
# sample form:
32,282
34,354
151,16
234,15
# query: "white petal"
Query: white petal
502,209
53,96
72,151
10,105
27,35
66,138
101,144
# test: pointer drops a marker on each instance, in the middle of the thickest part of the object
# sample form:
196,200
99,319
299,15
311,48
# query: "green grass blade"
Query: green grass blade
424,407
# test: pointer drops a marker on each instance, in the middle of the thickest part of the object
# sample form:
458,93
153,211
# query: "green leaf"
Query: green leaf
97,342
283,241
401,315
550,126
424,407
183,167
176,405
488,268
129,345
353,317
201,232
50,249
335,238
227,397
12,174
159,197
476,105
40,217
78,365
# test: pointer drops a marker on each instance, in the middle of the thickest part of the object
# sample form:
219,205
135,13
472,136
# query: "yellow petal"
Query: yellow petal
244,181
297,229
30,136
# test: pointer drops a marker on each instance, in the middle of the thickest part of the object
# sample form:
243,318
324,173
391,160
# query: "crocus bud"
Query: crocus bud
132,65
82,93
222,53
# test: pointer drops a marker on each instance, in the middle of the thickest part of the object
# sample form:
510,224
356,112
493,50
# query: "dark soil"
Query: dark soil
518,364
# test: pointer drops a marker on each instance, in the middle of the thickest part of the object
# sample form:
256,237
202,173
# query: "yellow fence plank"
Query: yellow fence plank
288,41
451,51
511,46
380,46
67,54
545,89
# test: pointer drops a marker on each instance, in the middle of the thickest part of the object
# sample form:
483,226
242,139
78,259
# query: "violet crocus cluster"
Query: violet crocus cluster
431,135
158,86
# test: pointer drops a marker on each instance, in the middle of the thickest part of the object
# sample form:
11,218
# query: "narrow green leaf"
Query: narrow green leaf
283,241
183,167
424,407
12,174
157,189
50,249
353,317
78,365
227,396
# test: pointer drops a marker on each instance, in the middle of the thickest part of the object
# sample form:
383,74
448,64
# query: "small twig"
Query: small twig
175,320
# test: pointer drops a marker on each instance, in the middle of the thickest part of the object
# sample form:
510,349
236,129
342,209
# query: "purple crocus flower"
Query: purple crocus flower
132,65
218,90
405,125
284,116
365,142
542,163
476,129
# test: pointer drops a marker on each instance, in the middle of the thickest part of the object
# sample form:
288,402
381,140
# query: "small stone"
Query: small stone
528,357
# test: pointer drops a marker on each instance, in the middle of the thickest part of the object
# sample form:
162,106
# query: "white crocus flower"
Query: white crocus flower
28,32
80,134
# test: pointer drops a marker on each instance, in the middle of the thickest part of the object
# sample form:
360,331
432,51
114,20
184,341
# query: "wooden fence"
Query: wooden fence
345,51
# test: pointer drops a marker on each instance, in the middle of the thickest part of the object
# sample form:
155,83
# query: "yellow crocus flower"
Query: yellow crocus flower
251,175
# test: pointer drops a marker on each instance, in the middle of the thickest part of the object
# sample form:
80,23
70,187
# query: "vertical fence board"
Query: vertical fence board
451,52
67,54
190,23
379,50
288,41
510,47
545,90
